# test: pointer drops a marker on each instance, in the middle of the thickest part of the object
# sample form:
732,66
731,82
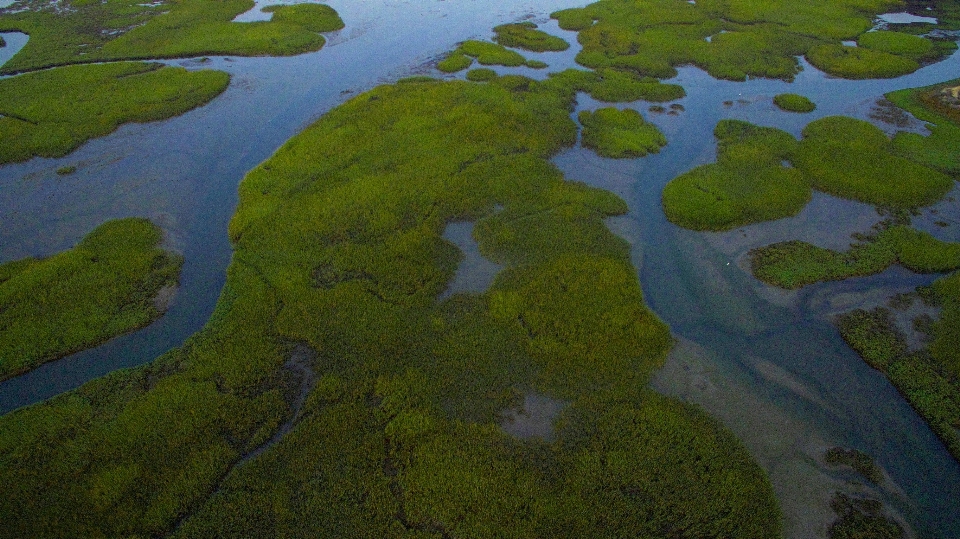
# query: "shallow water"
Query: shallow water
14,42
767,363
475,273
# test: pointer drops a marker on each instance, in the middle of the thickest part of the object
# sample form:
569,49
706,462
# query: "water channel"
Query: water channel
767,363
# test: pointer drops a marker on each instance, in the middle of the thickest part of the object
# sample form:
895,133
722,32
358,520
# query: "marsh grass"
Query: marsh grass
793,264
747,184
101,288
794,103
861,462
619,133
525,36
862,517
860,62
863,165
51,113
338,245
80,31
940,149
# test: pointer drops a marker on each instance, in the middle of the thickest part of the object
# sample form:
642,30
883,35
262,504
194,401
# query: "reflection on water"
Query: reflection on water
905,18
14,42
768,364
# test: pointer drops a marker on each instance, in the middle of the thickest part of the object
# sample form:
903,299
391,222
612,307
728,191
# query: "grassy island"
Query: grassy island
51,113
103,287
747,184
794,103
79,31
525,36
338,246
620,133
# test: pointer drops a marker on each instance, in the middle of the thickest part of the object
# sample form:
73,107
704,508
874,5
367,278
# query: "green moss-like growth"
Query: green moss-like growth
620,133
536,64
103,287
338,245
859,62
794,103
51,113
928,378
80,31
937,106
482,74
66,170
862,165
620,87
747,184
862,518
492,53
455,61
856,459
897,43
525,36
793,264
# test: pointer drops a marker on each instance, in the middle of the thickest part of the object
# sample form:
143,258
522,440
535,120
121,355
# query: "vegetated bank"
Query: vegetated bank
105,286
338,246
77,31
929,376
51,113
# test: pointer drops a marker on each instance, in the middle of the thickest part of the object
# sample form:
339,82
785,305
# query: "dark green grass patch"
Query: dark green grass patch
78,31
103,287
856,459
854,159
338,245
747,184
51,113
862,518
525,36
794,103
482,74
793,264
620,133
859,62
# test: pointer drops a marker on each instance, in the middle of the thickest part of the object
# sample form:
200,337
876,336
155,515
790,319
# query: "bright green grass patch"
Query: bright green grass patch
338,245
929,378
492,53
78,31
794,103
525,36
103,287
482,74
620,133
747,184
455,61
859,62
619,87
793,264
897,43
853,159
937,106
51,113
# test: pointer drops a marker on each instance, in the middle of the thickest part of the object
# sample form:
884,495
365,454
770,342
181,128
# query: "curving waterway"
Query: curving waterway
767,363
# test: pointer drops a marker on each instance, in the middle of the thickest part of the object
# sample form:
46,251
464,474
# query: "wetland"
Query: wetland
417,300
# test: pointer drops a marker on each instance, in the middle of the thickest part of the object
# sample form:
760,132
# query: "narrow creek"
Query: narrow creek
768,364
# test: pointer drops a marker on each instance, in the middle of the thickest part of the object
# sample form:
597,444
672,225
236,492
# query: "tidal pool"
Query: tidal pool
769,364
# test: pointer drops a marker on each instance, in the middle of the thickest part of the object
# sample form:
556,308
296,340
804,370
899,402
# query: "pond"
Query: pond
769,364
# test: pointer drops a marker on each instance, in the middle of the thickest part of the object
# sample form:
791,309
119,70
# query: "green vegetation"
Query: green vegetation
482,74
937,106
525,36
859,62
620,87
792,264
66,170
620,133
455,61
863,166
51,113
747,184
794,103
858,460
730,39
81,31
928,378
491,53
338,246
103,287
862,518
897,43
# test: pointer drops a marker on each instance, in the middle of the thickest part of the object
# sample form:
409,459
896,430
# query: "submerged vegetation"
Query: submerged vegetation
79,31
861,462
103,287
620,133
51,113
862,518
794,103
338,245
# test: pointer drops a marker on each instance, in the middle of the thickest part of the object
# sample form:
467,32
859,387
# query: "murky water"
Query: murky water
767,363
